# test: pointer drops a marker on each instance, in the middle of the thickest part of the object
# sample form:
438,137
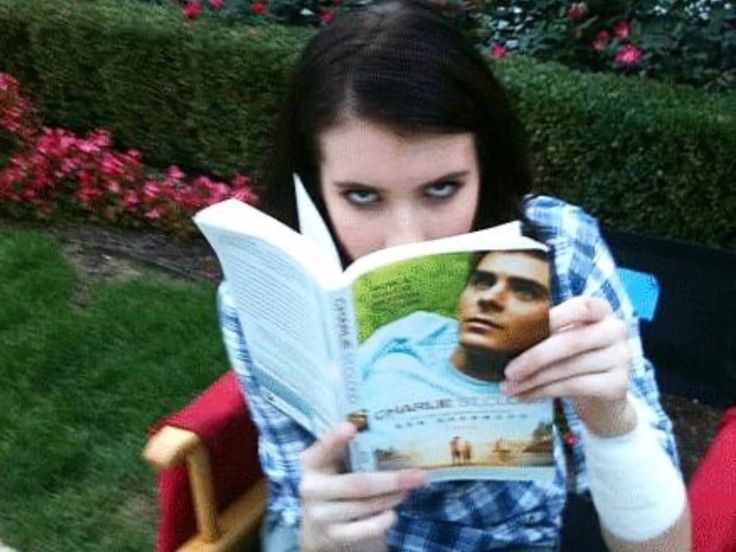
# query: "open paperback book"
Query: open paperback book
409,343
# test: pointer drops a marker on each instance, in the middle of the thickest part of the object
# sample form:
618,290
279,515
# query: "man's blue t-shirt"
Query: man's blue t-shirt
423,407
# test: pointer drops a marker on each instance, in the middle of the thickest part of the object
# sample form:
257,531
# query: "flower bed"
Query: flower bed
685,41
52,171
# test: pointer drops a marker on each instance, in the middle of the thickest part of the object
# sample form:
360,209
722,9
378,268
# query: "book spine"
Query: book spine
346,352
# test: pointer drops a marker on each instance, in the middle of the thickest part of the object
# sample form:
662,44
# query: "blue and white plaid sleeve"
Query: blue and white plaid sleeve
583,265
280,439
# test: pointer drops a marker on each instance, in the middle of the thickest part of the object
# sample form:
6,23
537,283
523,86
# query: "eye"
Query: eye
360,197
483,281
526,295
529,291
441,190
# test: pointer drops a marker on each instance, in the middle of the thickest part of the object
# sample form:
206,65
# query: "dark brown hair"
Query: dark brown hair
399,65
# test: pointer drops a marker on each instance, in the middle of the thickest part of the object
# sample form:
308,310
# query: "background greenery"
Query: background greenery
200,95
432,284
639,155
77,399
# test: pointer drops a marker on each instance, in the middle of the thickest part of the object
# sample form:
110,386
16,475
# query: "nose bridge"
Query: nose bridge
404,224
496,293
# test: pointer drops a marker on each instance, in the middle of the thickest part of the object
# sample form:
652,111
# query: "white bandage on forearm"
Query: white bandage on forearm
636,489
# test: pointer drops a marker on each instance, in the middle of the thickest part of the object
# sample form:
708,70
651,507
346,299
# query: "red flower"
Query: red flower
258,8
498,51
621,29
326,17
600,41
216,4
192,9
569,439
577,11
628,55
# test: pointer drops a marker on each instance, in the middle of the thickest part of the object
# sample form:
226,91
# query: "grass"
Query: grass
79,386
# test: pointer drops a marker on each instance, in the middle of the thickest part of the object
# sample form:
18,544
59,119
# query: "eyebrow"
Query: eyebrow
514,280
449,176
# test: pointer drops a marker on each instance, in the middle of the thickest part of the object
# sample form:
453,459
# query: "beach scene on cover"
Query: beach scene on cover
436,334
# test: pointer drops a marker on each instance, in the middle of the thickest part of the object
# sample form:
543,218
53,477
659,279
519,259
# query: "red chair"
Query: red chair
712,492
211,490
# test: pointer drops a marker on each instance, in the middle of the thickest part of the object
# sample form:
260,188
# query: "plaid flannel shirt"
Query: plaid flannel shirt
472,515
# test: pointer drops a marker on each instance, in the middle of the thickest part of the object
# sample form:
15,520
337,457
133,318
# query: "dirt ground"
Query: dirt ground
102,252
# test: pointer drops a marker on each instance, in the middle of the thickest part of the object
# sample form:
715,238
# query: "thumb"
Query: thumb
578,311
325,453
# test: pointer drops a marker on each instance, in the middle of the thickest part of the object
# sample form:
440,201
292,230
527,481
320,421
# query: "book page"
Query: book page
241,219
283,312
435,333
505,236
311,224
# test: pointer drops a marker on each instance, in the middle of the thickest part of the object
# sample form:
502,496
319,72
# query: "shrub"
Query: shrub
641,156
53,171
684,41
202,96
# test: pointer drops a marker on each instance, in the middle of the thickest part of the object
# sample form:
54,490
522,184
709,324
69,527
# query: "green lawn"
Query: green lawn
79,385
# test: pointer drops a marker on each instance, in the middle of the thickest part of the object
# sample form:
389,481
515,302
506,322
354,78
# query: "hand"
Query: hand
586,358
348,511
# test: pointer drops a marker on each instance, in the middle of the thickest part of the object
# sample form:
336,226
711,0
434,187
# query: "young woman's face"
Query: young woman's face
383,189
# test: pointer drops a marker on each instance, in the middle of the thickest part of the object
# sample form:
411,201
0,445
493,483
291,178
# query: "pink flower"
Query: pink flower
577,11
7,82
326,17
101,138
151,190
498,51
258,8
174,173
87,146
154,214
246,195
192,9
628,56
111,165
131,201
621,29
216,4
600,41
240,181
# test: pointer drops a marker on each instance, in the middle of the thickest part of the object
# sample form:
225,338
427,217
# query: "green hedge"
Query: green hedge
639,155
199,94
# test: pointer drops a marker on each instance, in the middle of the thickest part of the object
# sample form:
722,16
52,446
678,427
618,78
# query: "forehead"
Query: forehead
516,264
360,151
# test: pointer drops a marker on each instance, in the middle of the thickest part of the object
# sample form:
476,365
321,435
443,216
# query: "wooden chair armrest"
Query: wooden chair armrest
169,448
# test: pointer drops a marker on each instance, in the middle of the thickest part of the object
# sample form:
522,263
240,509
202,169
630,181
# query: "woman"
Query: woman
401,133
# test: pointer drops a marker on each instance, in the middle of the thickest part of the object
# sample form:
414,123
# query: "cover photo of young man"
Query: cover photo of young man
431,368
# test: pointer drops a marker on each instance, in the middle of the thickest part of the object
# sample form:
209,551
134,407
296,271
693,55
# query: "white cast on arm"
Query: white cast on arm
636,489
